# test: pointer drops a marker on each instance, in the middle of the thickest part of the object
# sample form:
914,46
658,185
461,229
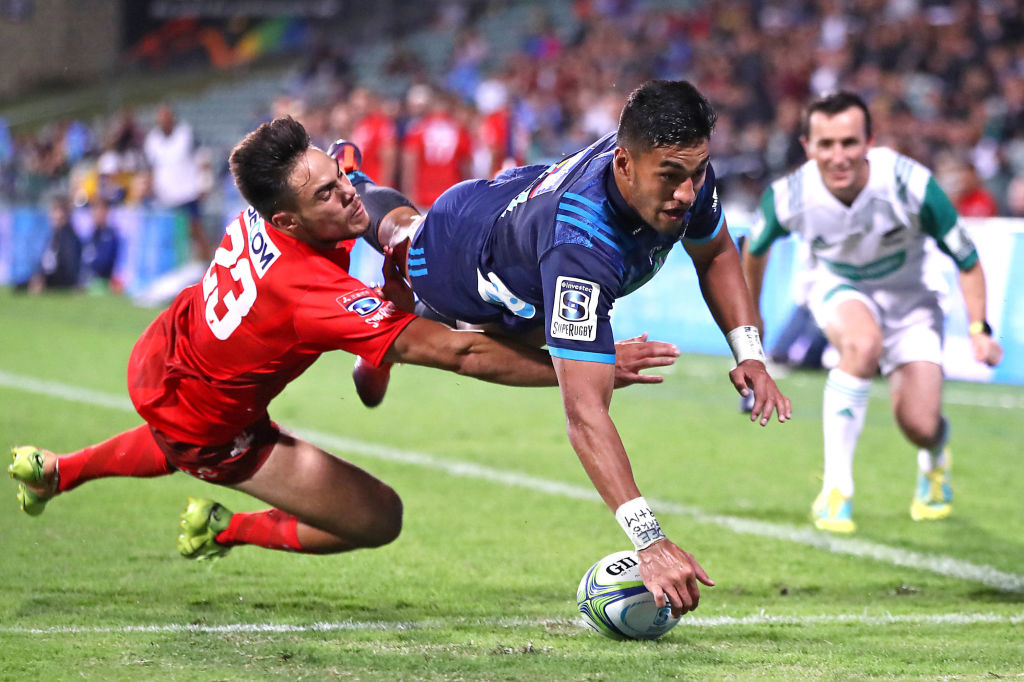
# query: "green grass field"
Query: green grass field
501,523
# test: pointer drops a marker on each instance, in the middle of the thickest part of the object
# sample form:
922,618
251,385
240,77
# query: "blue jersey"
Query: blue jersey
553,245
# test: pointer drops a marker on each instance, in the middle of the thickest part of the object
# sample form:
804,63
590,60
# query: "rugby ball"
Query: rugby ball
614,601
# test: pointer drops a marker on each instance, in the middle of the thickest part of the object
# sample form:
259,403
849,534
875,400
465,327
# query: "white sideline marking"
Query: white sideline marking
438,623
933,563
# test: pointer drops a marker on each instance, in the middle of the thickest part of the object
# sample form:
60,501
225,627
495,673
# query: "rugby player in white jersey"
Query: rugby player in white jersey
866,214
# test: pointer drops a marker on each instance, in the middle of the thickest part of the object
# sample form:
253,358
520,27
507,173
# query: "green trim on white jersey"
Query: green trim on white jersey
939,219
768,228
880,237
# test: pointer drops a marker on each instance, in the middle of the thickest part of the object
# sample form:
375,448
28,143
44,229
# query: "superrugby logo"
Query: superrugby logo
367,305
364,306
575,311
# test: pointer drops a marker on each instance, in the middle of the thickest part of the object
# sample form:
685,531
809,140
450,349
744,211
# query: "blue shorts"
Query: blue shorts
444,258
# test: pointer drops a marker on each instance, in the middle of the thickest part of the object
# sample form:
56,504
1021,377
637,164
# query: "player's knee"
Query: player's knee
863,349
387,519
923,430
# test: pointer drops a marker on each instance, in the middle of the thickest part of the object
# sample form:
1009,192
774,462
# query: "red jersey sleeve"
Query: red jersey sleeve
348,315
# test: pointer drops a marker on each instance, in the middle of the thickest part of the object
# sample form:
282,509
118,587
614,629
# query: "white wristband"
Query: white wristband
639,523
745,343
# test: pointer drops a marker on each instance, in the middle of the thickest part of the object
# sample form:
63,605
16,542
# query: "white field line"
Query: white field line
934,563
944,619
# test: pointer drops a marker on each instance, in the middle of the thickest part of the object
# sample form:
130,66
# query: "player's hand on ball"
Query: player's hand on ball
752,375
637,353
670,572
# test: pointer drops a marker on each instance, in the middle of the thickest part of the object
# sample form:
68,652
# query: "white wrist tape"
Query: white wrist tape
639,523
745,343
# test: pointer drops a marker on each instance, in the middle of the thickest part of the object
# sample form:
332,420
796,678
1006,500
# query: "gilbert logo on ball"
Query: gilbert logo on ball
614,601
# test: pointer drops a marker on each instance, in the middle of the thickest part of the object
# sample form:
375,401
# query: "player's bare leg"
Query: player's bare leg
338,506
858,338
916,390
44,474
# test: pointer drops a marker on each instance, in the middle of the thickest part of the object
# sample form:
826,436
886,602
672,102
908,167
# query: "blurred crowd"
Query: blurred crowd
944,79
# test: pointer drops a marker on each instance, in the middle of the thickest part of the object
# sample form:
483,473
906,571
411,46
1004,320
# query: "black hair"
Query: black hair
833,103
663,113
263,161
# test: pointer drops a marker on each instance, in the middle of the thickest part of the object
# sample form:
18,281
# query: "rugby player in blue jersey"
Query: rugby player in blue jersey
541,253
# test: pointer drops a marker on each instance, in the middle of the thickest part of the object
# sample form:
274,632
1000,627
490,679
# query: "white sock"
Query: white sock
929,458
844,407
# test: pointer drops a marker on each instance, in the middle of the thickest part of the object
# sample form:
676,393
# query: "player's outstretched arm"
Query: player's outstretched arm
473,354
721,281
667,570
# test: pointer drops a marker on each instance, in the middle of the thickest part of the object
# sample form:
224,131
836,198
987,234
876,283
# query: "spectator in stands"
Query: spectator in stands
375,134
171,154
503,142
101,249
942,77
1015,197
972,198
437,152
61,264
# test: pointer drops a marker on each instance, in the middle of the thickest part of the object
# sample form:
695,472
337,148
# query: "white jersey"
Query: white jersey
876,242
173,162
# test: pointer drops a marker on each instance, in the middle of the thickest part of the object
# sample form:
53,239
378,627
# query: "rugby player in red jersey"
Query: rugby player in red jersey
276,296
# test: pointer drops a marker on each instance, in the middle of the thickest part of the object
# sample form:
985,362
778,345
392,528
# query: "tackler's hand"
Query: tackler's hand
396,287
637,353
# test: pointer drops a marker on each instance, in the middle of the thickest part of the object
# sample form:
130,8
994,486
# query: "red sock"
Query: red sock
132,453
271,528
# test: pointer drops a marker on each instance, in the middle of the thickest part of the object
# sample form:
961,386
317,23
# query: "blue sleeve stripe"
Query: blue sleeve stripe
704,240
585,356
589,229
583,200
418,272
416,252
417,261
597,221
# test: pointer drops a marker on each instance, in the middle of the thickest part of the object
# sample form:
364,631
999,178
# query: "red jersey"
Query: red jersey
268,306
504,141
376,131
442,148
977,203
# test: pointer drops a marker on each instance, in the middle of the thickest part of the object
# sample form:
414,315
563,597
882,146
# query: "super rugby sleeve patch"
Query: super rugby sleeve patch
574,313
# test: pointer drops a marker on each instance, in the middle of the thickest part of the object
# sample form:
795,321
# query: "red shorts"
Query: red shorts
225,464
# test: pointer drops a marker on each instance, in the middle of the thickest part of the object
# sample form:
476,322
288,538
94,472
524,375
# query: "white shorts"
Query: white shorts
911,320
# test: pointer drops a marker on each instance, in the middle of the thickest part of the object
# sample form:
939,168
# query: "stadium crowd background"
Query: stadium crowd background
530,82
